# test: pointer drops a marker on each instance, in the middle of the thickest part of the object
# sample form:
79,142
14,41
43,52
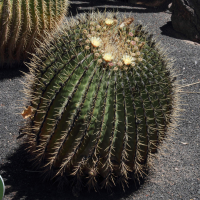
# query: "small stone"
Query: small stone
184,143
170,7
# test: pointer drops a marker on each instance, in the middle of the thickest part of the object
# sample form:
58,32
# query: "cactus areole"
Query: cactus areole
23,21
101,96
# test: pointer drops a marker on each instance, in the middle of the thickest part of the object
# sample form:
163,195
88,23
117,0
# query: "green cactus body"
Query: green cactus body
23,21
101,101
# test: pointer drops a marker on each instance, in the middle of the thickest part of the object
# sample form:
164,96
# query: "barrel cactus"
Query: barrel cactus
100,99
23,21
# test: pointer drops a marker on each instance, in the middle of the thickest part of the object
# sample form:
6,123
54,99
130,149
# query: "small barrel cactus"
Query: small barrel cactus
23,21
101,97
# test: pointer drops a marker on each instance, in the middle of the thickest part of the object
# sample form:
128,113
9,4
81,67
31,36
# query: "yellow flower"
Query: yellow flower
108,57
128,59
109,21
96,42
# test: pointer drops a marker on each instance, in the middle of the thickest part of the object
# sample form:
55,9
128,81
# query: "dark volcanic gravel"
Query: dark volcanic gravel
176,174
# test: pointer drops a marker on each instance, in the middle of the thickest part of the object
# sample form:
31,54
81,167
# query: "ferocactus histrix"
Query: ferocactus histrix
101,96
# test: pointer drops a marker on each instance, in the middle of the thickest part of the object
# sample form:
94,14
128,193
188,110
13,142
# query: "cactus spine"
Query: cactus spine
22,21
100,101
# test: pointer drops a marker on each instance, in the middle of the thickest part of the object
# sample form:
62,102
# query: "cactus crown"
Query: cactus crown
21,22
101,96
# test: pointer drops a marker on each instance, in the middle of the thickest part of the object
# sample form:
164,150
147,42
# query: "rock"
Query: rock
152,3
186,18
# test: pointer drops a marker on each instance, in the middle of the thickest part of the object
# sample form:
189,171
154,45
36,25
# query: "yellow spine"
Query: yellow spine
43,15
15,26
26,29
35,26
4,26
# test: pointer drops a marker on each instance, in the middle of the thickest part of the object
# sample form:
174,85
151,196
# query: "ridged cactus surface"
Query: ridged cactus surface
22,21
101,97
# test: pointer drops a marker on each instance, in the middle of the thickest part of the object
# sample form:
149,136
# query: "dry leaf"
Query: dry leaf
126,22
27,112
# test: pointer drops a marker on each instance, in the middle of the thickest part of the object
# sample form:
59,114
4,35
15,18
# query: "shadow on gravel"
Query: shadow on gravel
168,30
24,183
81,6
8,73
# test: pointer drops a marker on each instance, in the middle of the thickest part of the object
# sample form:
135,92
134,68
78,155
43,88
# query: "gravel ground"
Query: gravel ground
176,172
